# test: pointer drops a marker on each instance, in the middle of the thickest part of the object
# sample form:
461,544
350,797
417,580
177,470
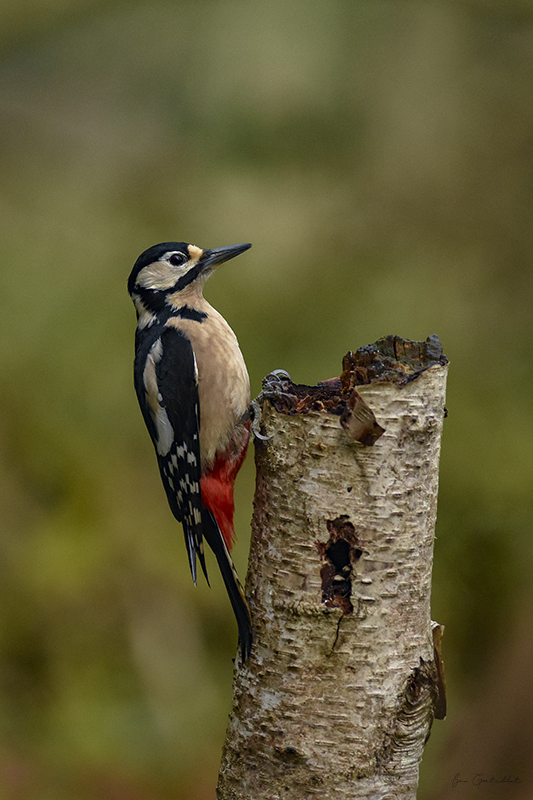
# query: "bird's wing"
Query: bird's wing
170,384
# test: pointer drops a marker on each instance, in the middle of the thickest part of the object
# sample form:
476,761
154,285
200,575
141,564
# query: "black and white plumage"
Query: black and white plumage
167,394
193,390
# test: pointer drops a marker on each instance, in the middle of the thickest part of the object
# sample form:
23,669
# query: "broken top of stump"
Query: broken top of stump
389,360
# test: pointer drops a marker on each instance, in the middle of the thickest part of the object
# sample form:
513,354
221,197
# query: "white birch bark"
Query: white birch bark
333,704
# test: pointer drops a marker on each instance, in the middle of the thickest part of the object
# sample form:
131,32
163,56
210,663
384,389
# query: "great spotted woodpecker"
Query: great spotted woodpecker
194,391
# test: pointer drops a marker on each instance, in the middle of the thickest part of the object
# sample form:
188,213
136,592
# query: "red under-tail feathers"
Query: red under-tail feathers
217,487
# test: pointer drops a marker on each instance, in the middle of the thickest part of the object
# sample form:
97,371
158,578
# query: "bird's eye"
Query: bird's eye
176,259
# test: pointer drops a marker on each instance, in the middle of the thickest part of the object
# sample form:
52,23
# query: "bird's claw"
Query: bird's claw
273,385
253,413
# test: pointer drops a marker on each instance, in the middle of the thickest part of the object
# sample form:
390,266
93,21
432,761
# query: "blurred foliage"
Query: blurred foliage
378,155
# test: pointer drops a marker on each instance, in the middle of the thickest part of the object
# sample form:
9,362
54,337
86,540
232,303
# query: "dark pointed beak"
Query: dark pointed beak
210,258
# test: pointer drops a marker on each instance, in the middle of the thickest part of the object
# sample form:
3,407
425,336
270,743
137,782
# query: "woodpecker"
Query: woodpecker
193,389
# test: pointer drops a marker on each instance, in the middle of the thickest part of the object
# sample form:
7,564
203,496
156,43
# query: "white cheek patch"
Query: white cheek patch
159,276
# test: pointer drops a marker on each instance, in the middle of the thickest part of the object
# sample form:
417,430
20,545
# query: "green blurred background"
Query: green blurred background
379,155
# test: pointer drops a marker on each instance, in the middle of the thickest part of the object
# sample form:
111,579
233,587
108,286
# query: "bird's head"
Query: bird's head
166,269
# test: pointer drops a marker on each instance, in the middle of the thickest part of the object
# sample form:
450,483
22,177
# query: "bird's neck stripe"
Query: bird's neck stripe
188,278
186,312
148,319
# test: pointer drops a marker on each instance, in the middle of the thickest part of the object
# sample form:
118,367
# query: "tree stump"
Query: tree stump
338,697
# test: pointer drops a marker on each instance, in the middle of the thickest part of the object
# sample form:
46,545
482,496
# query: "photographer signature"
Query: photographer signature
480,778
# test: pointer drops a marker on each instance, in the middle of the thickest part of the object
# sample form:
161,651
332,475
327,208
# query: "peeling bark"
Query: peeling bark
338,697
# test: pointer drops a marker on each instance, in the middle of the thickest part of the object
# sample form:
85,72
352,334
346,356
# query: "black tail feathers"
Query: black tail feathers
216,542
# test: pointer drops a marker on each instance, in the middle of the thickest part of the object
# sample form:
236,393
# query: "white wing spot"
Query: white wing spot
165,432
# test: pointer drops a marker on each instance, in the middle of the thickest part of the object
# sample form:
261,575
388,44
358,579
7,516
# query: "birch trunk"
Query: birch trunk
342,686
